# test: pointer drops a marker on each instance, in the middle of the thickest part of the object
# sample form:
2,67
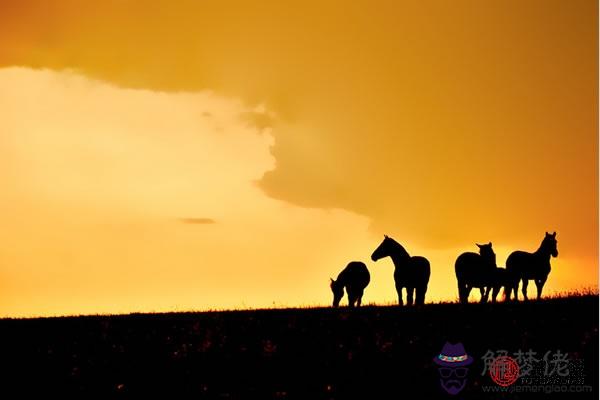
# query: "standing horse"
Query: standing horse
355,278
476,270
501,279
536,266
411,273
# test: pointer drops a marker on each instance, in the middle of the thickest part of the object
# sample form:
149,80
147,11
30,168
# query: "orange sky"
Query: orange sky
182,155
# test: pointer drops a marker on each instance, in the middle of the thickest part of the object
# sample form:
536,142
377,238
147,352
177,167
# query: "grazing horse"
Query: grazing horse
411,273
355,278
475,270
525,266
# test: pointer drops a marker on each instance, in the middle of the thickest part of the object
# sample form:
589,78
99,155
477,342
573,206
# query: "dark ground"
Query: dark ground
371,353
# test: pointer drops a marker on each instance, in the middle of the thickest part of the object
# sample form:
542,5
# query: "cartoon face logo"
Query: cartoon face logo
453,362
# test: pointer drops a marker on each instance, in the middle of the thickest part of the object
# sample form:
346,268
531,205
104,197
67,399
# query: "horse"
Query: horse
501,279
532,266
411,273
355,278
475,270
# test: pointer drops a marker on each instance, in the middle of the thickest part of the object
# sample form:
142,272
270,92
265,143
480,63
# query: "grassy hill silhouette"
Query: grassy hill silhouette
316,353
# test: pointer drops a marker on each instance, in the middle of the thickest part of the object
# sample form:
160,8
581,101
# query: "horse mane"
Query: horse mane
542,249
401,250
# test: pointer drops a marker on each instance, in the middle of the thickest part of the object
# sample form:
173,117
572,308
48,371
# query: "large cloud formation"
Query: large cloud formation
97,180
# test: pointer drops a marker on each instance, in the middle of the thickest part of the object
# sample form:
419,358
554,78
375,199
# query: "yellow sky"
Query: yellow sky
187,155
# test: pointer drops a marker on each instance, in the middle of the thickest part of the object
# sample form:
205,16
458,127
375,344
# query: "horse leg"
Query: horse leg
495,290
485,293
488,290
409,295
351,297
467,293
463,292
399,290
505,292
420,295
359,298
540,285
524,288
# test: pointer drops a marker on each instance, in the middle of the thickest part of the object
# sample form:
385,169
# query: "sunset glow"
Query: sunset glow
200,156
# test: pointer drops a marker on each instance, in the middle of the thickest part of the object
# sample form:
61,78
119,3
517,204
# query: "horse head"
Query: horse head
338,291
487,254
383,250
549,244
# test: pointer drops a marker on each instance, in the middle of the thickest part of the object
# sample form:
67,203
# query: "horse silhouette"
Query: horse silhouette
476,270
502,278
411,273
535,266
355,278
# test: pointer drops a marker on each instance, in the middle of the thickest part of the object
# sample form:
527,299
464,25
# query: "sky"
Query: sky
182,155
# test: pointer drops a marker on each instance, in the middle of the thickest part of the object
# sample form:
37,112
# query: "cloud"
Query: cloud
258,120
91,175
197,221
444,123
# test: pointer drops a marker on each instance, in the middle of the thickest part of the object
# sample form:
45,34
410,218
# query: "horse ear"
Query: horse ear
554,234
490,244
385,236
479,245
